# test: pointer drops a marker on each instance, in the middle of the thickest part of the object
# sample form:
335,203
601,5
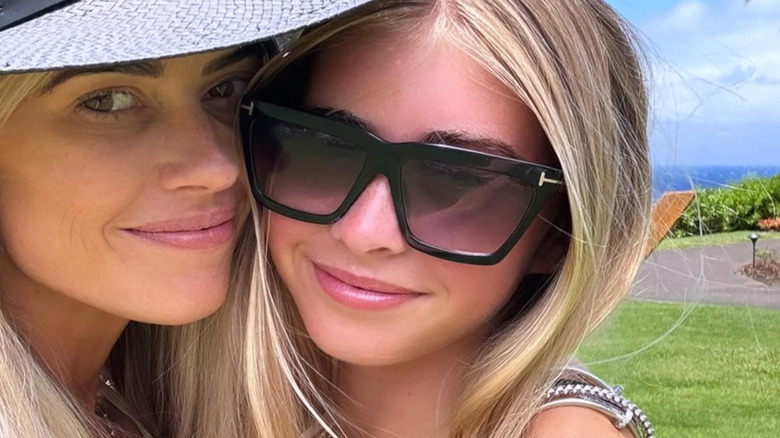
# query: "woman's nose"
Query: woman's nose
201,154
370,226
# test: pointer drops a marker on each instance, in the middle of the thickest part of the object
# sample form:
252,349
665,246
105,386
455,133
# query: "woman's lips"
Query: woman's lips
359,292
205,231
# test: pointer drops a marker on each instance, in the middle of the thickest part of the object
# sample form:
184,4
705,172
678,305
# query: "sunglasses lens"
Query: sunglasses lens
302,168
459,208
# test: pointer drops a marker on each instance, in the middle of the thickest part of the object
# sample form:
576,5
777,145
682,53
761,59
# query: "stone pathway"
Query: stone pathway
705,275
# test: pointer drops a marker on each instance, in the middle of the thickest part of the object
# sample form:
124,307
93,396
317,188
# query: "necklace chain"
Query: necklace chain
100,412
106,420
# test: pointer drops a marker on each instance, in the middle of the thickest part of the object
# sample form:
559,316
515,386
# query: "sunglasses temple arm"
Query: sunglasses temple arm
559,182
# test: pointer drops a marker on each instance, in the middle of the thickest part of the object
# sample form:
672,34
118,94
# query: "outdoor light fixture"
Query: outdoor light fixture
754,238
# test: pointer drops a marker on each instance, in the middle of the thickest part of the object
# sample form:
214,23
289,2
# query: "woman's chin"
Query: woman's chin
185,316
179,304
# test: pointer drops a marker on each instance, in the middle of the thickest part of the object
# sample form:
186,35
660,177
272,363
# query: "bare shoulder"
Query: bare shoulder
574,422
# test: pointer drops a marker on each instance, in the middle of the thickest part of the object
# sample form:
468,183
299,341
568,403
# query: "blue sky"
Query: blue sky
716,79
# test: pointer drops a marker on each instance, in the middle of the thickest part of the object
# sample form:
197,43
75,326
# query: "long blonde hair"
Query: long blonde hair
575,64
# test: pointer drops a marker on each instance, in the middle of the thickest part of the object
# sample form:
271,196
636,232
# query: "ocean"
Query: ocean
672,178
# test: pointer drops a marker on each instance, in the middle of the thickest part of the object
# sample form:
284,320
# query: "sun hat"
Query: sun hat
37,35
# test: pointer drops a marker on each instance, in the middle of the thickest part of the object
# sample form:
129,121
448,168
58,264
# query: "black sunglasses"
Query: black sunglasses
456,204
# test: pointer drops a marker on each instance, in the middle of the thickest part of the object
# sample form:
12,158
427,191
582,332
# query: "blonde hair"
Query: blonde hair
575,64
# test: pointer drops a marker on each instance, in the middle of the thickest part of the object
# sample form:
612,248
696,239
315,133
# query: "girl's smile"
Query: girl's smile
362,293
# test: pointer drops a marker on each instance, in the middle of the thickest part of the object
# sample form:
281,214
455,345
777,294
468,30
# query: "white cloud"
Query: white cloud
720,63
686,16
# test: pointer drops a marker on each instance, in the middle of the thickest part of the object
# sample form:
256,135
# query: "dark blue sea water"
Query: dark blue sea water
670,178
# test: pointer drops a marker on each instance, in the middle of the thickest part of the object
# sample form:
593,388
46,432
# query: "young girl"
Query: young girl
456,193
119,197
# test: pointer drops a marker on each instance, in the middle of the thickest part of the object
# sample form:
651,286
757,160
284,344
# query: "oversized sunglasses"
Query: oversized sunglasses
456,204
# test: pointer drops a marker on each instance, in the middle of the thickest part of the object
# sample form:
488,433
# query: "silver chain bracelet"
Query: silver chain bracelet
582,388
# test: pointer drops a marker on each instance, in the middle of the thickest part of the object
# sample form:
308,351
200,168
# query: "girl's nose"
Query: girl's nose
370,226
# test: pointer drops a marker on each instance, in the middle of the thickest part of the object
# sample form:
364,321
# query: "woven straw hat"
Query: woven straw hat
40,35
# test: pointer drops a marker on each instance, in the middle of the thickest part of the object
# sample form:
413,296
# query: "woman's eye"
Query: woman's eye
222,100
229,89
109,101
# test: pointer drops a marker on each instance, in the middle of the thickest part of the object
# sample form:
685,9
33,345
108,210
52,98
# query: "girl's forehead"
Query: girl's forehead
406,88
395,67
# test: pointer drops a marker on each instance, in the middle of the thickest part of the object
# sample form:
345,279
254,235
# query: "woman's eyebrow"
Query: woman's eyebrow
231,58
152,69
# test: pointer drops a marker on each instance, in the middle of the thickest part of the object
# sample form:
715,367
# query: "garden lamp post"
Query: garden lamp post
754,238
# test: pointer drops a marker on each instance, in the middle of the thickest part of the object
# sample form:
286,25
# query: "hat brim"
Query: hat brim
101,32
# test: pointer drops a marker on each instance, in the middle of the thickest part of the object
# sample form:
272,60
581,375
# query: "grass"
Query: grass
697,371
714,239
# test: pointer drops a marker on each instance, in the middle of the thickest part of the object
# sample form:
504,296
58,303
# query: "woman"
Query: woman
457,192
119,197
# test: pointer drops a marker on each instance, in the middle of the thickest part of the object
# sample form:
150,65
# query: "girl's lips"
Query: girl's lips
343,288
198,232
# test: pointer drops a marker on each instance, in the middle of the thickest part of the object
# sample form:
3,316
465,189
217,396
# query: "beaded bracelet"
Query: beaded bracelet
583,389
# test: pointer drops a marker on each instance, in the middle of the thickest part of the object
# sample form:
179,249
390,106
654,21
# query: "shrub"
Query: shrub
772,224
740,207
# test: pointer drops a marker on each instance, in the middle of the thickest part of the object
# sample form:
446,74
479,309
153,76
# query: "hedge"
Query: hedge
739,207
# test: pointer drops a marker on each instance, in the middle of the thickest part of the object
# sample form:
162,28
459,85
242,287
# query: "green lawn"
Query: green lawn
697,370
714,239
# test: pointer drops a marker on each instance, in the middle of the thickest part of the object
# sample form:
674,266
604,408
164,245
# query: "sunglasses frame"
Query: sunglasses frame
386,158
